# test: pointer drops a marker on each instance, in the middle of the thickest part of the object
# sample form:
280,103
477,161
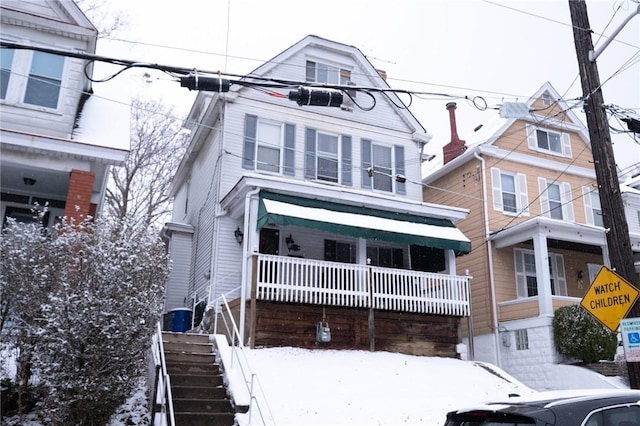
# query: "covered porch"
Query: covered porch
554,264
362,256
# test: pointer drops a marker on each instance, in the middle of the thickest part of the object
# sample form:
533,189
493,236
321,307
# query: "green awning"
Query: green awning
362,222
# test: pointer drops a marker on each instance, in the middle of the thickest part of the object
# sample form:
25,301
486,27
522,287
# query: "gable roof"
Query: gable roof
487,135
371,73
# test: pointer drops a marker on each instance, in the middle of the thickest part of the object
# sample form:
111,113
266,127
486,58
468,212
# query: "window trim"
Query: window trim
344,157
590,212
522,196
566,199
398,161
343,73
20,75
252,143
557,273
533,143
522,339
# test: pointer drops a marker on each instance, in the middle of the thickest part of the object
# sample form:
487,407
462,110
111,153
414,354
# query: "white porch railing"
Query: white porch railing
296,280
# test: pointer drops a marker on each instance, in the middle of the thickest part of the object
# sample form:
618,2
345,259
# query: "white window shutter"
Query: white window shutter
496,185
588,209
567,202
544,197
521,279
566,145
523,195
532,136
561,288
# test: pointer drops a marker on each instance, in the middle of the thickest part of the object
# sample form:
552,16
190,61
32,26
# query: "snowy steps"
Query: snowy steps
199,394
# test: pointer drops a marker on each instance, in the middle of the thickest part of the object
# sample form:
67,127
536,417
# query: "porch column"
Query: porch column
545,302
362,252
450,261
78,203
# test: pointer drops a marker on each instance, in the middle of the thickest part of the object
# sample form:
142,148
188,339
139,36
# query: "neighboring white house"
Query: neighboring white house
314,213
630,190
57,140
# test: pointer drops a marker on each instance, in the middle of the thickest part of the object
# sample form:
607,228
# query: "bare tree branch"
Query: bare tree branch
139,189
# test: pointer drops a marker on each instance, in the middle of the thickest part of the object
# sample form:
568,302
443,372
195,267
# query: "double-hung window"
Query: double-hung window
6,63
327,156
592,207
328,160
318,72
268,145
383,167
45,79
31,77
526,274
556,199
509,191
548,141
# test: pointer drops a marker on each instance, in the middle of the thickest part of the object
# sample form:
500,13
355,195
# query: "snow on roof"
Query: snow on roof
105,118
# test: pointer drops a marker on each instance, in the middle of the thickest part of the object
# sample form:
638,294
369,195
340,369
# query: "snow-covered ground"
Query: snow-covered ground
328,387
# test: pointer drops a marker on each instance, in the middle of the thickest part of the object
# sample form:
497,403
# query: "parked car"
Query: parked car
619,407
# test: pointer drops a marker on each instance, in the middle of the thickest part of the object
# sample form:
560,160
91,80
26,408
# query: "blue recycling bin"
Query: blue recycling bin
180,320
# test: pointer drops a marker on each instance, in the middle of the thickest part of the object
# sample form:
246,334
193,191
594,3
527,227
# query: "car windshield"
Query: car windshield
504,422
483,418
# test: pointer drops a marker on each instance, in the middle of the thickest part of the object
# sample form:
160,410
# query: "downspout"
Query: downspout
215,235
492,284
246,244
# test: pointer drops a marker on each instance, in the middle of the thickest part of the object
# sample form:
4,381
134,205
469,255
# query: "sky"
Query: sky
501,51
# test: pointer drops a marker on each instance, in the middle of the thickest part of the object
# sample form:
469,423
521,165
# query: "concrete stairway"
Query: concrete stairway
199,394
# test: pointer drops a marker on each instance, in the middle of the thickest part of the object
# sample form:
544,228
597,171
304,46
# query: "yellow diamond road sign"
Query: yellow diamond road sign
609,298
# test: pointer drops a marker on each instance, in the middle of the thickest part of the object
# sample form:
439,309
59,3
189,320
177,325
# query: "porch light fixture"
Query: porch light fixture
291,244
29,181
239,235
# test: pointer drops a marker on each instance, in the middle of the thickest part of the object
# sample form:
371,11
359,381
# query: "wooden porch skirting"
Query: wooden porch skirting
286,324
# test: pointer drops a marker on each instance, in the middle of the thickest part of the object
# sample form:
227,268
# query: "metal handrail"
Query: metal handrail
162,385
257,396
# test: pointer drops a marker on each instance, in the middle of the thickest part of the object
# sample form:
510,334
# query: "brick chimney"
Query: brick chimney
456,147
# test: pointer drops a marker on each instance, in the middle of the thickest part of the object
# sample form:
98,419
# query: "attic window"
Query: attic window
318,72
546,99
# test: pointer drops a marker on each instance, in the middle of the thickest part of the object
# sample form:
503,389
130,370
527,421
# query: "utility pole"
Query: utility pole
618,241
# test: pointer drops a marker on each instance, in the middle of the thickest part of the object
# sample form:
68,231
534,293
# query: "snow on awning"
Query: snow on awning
361,222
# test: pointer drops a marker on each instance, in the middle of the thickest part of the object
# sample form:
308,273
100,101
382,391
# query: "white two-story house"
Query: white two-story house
57,139
301,215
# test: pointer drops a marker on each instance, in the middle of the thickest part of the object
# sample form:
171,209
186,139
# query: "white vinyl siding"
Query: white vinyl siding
556,199
509,192
592,207
526,274
549,141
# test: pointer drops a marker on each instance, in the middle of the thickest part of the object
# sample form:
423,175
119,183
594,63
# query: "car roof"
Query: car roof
557,407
